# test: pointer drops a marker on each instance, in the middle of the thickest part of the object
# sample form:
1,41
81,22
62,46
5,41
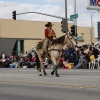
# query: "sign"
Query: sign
98,28
79,38
93,4
73,16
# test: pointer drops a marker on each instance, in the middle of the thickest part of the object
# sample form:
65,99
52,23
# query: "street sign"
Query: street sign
98,28
73,16
79,38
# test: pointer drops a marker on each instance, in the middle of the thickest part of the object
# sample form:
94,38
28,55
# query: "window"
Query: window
16,48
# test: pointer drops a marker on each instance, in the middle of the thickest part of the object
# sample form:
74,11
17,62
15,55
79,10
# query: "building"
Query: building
18,36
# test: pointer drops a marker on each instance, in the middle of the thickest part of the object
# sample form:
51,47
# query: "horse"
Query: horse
54,52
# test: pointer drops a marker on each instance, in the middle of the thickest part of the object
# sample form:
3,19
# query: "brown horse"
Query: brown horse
54,53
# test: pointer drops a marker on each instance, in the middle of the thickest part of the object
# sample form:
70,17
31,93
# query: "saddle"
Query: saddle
40,45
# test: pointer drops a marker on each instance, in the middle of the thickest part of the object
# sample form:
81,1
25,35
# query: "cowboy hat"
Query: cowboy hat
49,24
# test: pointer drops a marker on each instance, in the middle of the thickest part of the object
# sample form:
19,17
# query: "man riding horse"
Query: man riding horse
52,48
49,35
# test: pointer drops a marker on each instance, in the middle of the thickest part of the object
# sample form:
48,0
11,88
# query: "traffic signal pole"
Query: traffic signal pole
66,16
75,20
54,16
66,19
44,14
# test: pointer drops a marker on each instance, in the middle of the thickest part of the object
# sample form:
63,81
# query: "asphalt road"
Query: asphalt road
25,84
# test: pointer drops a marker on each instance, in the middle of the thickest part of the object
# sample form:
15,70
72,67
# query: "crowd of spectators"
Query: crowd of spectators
80,56
18,61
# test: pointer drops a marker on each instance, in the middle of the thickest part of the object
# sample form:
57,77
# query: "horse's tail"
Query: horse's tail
37,62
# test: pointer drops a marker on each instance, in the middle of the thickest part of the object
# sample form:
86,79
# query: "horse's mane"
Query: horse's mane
59,40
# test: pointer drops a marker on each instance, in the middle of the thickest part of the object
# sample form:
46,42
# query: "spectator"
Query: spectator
92,57
86,50
30,56
95,52
3,56
69,51
61,62
77,58
0,55
82,59
72,58
92,44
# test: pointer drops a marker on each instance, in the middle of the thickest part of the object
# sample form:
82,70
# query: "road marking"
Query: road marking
62,85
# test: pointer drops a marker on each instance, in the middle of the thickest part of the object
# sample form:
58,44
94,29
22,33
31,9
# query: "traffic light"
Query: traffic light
74,30
14,15
63,25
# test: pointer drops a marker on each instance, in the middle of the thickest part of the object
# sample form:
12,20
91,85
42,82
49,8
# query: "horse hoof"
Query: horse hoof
52,73
40,74
57,75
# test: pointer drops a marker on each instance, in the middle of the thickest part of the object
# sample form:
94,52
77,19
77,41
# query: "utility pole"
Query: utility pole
66,16
75,20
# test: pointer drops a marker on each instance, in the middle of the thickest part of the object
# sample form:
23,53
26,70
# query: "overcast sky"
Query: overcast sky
54,7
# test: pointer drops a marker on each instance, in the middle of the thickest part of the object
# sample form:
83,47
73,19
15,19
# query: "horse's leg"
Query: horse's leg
41,61
55,71
52,73
40,74
56,68
38,62
44,71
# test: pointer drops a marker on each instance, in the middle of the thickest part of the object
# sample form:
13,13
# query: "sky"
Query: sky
53,7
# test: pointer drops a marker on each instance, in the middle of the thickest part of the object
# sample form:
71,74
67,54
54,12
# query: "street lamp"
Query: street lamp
92,25
92,18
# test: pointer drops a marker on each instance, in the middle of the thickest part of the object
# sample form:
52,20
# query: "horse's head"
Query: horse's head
73,38
69,39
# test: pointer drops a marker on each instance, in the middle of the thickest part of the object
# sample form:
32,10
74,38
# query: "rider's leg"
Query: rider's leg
44,46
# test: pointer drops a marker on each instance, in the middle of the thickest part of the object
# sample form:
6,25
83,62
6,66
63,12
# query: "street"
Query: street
26,84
